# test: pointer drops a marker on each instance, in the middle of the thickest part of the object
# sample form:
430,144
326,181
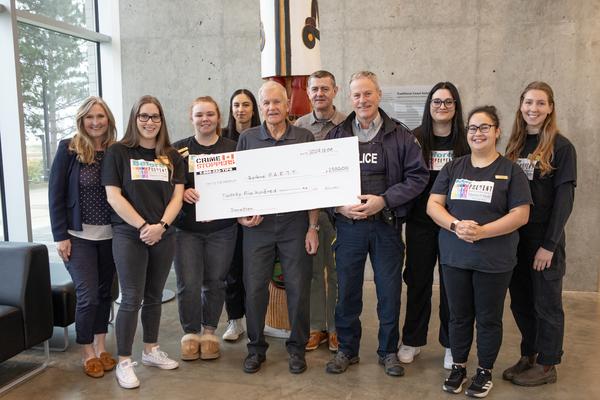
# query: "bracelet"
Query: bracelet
143,225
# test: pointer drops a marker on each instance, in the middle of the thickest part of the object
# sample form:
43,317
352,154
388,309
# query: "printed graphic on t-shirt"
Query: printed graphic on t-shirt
439,158
212,163
528,166
465,189
148,171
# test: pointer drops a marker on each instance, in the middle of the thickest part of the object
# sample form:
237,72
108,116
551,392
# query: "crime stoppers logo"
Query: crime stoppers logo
213,163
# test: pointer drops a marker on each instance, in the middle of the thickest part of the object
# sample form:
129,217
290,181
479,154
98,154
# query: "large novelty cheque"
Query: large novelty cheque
277,179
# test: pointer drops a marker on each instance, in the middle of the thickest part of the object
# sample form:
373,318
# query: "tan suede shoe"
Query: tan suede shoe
93,367
107,360
190,347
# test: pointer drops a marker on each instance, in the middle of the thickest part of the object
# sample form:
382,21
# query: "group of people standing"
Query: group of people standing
492,223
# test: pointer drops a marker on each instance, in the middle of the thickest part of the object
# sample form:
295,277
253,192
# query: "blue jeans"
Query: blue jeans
201,264
92,269
383,243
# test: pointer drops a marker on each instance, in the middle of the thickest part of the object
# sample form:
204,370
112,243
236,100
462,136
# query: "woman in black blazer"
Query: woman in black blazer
80,220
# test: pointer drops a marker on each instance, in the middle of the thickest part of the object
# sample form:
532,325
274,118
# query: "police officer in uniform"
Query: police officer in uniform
393,174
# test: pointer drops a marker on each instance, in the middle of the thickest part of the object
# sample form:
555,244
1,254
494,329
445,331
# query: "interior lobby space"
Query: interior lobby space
55,54
224,379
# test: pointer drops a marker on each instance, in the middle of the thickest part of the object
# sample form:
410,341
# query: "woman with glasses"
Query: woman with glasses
479,201
204,250
80,220
442,138
550,163
144,178
243,114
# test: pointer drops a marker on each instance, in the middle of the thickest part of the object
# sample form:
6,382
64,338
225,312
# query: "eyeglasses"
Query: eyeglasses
483,128
437,103
146,117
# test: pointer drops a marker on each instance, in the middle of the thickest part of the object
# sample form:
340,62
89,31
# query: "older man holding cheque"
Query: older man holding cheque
392,174
292,236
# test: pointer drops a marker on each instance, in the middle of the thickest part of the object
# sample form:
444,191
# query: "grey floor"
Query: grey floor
224,378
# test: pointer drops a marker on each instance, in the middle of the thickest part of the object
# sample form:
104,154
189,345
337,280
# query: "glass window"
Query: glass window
79,13
57,72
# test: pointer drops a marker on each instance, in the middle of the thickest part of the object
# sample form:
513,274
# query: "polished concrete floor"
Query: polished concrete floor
579,374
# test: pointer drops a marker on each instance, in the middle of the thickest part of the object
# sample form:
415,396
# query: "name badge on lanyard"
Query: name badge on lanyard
439,158
148,171
528,166
465,189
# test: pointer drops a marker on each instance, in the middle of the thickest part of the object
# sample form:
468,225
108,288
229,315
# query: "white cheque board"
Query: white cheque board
277,179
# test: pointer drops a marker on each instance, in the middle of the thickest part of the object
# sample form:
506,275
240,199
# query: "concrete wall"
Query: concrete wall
490,49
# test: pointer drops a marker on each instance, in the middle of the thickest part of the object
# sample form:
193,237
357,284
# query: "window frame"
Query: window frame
15,202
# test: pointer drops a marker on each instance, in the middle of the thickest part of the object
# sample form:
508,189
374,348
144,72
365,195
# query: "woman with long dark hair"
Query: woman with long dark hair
243,114
442,139
144,177
550,163
80,220
480,200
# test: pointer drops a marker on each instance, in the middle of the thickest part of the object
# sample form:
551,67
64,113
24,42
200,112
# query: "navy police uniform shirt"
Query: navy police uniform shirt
482,195
372,166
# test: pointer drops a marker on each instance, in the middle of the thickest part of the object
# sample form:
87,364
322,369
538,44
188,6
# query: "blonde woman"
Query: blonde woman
80,220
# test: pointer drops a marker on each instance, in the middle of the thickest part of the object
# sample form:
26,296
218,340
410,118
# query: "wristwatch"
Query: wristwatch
453,225
316,227
164,225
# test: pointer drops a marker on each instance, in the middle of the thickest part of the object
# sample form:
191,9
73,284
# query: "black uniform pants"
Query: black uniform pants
475,297
536,299
422,252
280,235
234,292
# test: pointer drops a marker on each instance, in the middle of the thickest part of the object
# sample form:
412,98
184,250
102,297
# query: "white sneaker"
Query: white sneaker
126,375
277,332
407,354
448,360
235,329
157,358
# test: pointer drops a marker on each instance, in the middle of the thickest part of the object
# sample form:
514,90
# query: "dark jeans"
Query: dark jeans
323,286
201,264
142,271
383,244
283,235
475,297
422,252
536,300
235,294
92,270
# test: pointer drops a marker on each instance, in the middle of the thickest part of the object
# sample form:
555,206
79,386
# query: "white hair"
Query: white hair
271,85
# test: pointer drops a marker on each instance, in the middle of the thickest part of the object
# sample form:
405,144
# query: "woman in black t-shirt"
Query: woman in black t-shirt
479,200
442,138
243,114
144,178
550,163
80,220
204,250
